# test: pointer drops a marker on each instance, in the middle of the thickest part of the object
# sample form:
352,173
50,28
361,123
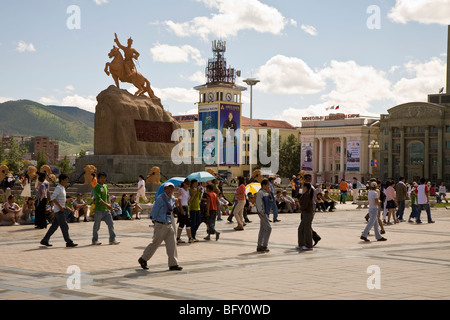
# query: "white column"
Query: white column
321,156
327,155
342,156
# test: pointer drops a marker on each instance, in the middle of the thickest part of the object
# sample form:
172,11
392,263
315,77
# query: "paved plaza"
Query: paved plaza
413,264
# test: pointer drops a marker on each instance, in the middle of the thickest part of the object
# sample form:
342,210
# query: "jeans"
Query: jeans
413,211
401,209
59,221
420,207
264,230
196,220
373,222
100,216
274,210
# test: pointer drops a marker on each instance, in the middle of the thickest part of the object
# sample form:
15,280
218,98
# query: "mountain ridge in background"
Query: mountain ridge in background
72,126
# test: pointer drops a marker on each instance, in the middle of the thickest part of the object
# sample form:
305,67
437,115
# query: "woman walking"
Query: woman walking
241,200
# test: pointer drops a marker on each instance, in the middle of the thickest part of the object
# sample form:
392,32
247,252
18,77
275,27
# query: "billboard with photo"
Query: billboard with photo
353,155
208,117
307,156
230,123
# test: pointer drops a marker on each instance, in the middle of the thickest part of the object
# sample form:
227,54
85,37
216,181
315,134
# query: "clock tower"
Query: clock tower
219,113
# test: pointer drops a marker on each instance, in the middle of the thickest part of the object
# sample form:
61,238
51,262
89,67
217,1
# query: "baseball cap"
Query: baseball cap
168,184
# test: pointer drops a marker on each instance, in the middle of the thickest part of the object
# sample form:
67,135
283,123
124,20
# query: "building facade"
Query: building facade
415,142
339,146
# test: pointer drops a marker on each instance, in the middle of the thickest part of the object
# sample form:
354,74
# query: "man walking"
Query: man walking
102,210
163,231
308,179
263,207
423,201
401,192
59,220
374,202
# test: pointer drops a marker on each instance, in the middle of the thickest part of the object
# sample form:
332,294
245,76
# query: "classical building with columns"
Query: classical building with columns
339,146
415,137
415,142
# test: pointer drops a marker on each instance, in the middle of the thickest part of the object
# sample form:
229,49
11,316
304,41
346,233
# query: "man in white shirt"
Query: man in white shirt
423,193
374,202
59,220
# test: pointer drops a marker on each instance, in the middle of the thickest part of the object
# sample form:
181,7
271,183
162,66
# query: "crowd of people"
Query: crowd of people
205,202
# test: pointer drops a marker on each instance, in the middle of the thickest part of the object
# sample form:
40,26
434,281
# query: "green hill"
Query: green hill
73,127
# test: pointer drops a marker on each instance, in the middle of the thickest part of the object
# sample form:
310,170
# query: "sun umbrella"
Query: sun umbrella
201,176
252,187
176,182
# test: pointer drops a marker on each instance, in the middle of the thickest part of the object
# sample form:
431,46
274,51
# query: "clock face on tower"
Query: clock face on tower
210,96
229,96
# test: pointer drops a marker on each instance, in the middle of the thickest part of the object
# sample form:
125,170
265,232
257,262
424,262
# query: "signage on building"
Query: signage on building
338,116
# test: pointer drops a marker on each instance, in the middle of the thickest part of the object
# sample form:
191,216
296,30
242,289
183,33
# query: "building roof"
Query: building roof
263,123
256,123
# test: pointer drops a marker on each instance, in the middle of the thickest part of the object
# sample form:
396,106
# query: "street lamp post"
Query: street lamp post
372,146
251,82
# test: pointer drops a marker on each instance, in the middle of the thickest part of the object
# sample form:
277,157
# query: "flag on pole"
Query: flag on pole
332,108
337,107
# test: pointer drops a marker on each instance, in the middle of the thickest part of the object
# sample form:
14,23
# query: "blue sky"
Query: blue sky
309,55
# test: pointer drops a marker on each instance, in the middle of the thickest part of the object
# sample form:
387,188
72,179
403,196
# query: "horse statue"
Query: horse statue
125,71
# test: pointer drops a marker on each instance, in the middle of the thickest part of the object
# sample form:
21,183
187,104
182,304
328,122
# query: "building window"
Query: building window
434,161
447,144
416,153
447,128
386,146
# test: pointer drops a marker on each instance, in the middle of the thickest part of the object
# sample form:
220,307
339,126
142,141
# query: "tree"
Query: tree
41,159
64,165
290,157
14,156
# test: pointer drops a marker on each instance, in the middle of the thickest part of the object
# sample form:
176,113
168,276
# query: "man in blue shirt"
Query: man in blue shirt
163,231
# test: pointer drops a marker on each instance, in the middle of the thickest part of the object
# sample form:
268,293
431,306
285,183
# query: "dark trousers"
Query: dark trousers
211,221
401,209
58,221
196,220
40,219
305,231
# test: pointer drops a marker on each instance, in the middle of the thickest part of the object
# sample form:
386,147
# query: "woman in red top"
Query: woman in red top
239,209
211,212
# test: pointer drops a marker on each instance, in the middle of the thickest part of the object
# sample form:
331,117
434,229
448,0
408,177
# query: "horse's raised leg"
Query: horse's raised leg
107,69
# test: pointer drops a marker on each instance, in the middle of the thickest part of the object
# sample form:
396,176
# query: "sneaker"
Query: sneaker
96,243
114,242
382,239
432,221
180,241
365,239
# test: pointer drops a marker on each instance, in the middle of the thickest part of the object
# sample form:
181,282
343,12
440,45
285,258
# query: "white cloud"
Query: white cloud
25,47
232,17
198,77
4,99
355,86
70,88
357,89
173,54
309,30
289,75
85,103
177,94
427,78
100,2
423,11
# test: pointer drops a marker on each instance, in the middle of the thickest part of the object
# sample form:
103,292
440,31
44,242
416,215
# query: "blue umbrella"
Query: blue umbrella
201,176
176,182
